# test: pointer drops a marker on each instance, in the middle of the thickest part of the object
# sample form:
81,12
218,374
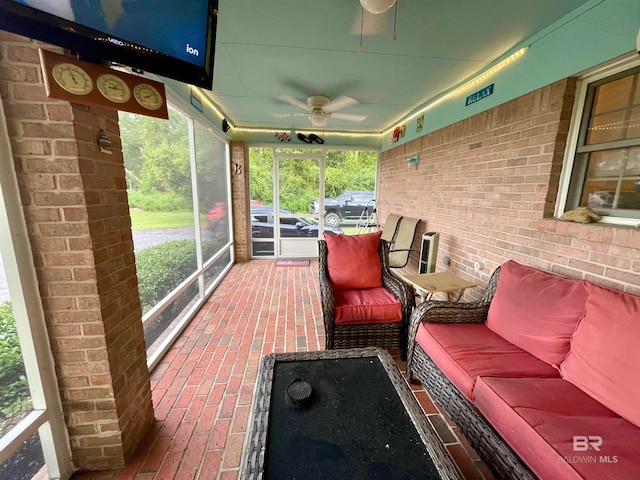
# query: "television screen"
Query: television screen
171,38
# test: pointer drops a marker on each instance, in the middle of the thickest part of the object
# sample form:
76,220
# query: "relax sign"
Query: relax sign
479,95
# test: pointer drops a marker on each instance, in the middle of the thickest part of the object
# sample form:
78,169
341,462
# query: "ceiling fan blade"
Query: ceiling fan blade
348,116
294,101
339,103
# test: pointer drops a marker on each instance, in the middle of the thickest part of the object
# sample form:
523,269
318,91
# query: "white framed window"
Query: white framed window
602,159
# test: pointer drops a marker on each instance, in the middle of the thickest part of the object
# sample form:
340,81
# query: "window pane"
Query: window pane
25,462
158,164
262,249
608,163
613,96
162,325
299,184
212,273
615,114
606,167
261,190
15,399
261,171
350,178
613,180
212,191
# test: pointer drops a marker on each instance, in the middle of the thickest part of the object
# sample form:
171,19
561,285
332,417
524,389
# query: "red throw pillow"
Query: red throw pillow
354,261
604,359
536,311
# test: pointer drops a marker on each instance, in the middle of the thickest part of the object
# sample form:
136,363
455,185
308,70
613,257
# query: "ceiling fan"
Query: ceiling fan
321,108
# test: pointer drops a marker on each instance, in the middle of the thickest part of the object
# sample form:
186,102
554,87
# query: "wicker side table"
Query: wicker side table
258,459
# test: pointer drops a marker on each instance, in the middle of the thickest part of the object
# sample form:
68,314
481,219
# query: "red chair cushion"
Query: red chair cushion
353,261
536,311
465,351
539,418
371,305
603,360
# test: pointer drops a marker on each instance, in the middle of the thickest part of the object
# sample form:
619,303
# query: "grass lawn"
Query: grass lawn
161,220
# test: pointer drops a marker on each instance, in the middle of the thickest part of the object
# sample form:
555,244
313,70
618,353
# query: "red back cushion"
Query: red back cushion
354,261
536,311
604,360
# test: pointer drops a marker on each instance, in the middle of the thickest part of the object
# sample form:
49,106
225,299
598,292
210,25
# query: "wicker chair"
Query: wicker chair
502,460
379,334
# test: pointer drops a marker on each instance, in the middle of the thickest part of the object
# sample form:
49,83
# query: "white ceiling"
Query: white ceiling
269,48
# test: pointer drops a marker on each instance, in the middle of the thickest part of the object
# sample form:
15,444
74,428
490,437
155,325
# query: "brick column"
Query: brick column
76,210
240,197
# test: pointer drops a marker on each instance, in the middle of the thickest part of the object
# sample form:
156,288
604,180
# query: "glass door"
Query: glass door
300,182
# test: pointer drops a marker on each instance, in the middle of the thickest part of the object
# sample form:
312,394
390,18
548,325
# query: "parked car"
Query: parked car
262,221
219,212
216,215
348,206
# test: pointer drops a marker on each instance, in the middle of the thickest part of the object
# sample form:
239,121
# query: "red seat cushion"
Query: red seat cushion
369,305
353,261
464,351
604,360
536,311
539,418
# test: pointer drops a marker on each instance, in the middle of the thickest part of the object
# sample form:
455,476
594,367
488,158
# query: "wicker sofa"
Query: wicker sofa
540,375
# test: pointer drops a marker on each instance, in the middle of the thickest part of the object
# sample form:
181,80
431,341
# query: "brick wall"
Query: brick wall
488,184
240,199
76,210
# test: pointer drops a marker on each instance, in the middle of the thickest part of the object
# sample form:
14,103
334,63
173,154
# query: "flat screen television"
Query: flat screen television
172,38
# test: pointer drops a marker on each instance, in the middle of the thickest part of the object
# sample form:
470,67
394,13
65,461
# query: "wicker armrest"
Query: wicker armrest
326,290
434,311
401,289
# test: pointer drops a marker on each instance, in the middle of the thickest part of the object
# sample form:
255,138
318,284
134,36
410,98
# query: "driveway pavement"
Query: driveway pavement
141,239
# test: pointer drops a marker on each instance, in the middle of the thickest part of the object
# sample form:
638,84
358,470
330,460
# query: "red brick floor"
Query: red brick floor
203,388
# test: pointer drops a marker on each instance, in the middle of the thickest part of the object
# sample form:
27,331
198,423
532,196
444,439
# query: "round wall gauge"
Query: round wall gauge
148,96
72,78
113,88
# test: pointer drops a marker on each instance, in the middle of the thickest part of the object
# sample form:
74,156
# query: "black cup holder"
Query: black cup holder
298,394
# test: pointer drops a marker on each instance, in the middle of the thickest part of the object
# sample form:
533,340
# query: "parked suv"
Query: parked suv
348,206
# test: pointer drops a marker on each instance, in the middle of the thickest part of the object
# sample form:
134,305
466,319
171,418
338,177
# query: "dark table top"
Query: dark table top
362,422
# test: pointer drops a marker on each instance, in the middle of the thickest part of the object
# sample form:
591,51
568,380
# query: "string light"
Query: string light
476,80
214,107
307,132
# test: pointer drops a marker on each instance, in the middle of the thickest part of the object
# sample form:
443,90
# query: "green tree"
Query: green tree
349,170
345,170
14,389
156,153
261,172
